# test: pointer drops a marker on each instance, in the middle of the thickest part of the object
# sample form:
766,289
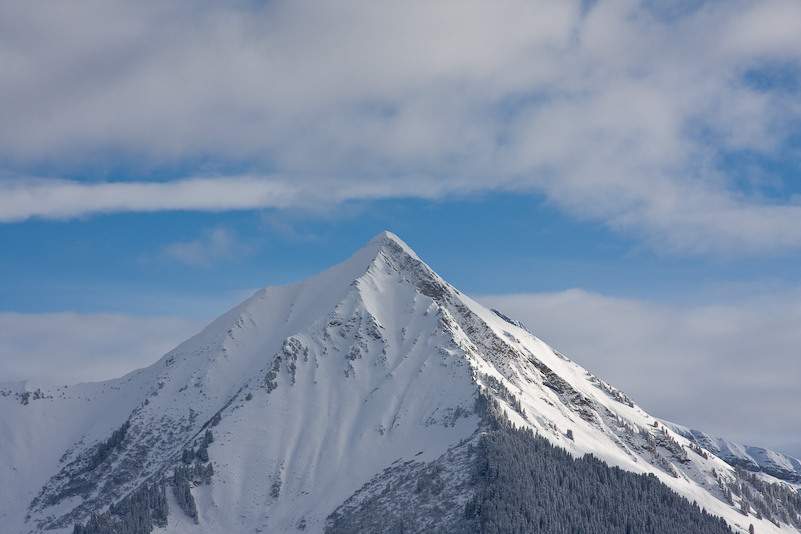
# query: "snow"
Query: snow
752,458
372,361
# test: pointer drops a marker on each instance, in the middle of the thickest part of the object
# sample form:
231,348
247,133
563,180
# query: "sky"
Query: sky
621,176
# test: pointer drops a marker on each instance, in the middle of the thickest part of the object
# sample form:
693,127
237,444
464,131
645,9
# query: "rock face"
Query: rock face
374,388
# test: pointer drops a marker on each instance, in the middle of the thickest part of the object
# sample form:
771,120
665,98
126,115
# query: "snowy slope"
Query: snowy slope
754,459
310,391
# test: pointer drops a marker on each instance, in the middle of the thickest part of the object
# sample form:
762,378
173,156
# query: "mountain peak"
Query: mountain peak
387,248
386,235
384,249
388,241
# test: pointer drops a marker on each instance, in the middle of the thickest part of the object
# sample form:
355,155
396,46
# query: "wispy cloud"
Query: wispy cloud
712,367
217,244
22,199
618,112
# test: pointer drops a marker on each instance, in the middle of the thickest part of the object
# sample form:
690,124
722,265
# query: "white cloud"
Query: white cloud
617,114
731,370
217,244
67,348
66,199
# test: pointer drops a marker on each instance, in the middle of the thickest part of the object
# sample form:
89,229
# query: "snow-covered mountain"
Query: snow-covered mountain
310,404
753,459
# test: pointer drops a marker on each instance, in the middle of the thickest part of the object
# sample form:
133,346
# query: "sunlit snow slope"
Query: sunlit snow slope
312,389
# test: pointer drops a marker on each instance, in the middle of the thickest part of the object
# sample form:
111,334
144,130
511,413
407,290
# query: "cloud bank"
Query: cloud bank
665,123
68,348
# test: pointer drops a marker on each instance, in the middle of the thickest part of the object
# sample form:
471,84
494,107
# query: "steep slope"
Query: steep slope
307,396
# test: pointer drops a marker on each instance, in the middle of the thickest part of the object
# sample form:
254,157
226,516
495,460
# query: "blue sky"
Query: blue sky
621,176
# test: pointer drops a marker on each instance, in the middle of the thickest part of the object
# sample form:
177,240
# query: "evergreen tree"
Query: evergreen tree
138,513
183,492
521,484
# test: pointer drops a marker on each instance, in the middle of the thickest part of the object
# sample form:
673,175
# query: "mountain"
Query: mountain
373,397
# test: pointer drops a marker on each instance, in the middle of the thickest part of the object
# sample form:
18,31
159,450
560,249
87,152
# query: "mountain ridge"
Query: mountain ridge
749,457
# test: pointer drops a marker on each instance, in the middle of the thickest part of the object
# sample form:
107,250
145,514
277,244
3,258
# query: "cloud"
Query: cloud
616,112
67,348
66,199
731,370
217,244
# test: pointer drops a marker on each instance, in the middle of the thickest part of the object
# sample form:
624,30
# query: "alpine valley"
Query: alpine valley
373,397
